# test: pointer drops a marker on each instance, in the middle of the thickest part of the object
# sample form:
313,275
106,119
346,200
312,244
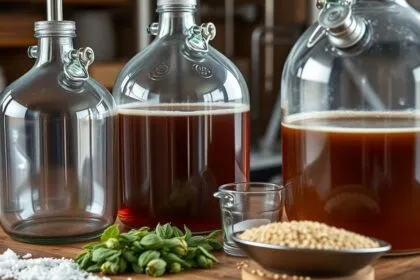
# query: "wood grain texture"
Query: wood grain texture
367,273
391,268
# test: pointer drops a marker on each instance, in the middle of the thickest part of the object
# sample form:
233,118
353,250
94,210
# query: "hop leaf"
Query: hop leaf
111,232
176,232
165,231
101,254
196,241
188,233
151,241
207,254
94,268
147,256
130,256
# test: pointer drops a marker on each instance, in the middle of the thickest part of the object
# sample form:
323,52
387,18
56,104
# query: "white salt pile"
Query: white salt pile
15,267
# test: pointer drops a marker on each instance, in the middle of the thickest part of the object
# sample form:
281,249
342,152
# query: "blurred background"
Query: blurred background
256,35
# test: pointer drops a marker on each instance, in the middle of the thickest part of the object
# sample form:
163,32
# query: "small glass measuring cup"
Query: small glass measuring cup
248,205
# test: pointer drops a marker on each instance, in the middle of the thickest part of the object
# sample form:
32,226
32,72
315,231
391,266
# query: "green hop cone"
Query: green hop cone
147,256
112,243
152,242
216,245
180,251
207,254
175,242
109,268
156,268
136,247
136,268
204,262
130,256
122,265
173,258
191,253
175,268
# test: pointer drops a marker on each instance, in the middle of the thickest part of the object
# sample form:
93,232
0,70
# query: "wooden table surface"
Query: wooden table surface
390,268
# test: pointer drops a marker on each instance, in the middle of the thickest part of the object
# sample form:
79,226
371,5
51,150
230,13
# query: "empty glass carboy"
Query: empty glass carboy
183,111
57,138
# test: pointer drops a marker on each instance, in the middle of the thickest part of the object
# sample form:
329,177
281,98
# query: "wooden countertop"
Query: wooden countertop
390,268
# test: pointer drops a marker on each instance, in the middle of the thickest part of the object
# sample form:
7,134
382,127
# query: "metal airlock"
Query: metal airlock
337,21
199,37
77,64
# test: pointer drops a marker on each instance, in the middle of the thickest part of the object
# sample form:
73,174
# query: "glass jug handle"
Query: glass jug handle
200,36
77,63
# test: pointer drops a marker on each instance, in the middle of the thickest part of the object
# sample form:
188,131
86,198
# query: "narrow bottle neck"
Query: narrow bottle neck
175,21
53,49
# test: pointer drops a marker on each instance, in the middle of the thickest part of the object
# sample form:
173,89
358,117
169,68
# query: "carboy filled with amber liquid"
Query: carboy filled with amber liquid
183,111
57,135
351,121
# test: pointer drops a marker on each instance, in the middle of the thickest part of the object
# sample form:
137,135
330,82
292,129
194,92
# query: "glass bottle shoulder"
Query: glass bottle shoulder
42,91
168,72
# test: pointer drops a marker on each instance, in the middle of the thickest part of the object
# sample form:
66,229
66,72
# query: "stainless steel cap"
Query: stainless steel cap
176,2
344,29
55,28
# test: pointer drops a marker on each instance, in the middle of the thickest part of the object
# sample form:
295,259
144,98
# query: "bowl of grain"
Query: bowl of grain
309,248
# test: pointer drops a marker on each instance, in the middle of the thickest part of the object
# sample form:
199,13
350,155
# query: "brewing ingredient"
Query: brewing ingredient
165,249
307,234
15,267
109,268
175,268
245,265
156,268
148,256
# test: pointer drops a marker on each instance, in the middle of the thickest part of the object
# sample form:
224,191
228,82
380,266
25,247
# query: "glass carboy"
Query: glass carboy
351,121
183,113
57,138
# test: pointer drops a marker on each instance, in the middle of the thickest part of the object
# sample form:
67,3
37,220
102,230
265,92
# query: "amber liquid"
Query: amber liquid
357,171
174,158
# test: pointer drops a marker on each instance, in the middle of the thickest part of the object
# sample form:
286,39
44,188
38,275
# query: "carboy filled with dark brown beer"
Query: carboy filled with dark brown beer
351,121
183,113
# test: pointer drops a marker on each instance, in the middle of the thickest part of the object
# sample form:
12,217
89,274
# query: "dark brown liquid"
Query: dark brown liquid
174,158
357,171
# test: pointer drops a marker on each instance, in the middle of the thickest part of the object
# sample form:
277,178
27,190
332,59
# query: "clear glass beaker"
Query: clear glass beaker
248,205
